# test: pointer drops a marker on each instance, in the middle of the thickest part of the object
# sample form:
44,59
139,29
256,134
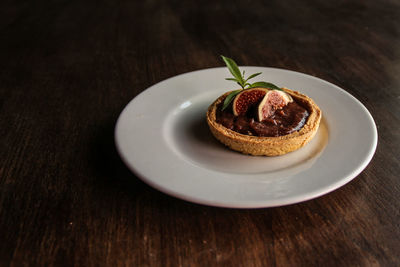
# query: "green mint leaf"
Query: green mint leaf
231,79
234,69
229,98
252,76
265,85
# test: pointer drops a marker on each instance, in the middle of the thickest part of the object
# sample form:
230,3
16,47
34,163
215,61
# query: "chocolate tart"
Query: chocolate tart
267,146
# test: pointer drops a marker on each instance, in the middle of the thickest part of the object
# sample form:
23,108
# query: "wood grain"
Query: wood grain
69,67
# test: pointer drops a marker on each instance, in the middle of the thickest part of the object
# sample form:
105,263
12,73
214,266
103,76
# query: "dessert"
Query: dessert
261,118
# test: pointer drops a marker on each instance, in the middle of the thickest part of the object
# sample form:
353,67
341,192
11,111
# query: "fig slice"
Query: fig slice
247,98
271,102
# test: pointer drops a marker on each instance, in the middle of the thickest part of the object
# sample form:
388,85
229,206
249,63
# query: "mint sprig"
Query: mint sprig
239,78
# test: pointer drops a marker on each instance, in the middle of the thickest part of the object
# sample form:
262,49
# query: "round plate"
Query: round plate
163,137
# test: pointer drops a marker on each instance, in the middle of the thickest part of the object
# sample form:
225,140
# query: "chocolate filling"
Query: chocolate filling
289,119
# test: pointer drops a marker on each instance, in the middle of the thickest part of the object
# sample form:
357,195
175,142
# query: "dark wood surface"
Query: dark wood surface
67,69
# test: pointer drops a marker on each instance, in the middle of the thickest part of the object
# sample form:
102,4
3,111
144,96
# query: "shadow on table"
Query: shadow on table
112,177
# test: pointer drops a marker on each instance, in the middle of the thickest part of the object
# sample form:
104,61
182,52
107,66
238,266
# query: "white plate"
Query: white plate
163,137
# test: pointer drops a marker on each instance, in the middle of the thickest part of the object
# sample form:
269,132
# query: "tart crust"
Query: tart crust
267,146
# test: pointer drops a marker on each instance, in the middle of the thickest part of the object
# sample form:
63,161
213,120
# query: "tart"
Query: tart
266,145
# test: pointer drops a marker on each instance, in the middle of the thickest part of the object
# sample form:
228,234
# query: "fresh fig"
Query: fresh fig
271,102
247,98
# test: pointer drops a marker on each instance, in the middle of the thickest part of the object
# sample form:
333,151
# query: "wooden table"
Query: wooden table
69,67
